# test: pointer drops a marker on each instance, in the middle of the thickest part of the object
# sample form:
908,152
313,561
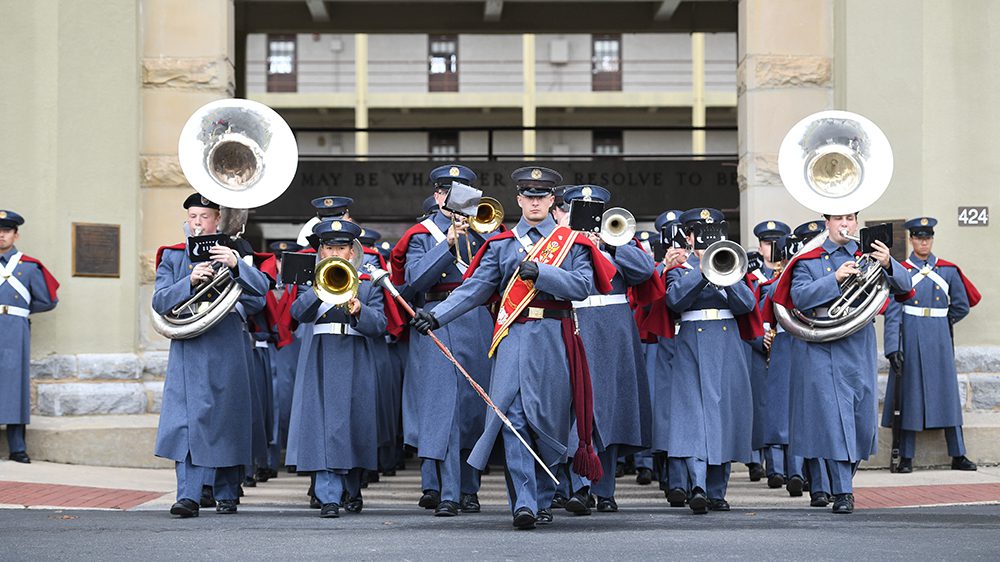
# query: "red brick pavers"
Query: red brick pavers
58,495
905,496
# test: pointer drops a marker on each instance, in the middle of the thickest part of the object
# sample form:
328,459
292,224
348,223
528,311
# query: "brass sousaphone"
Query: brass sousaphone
241,155
837,163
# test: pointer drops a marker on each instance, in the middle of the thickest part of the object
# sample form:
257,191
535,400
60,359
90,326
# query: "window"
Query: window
442,144
443,68
282,75
608,142
607,63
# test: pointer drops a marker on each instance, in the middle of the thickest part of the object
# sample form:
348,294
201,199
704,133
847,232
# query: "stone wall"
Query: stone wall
97,383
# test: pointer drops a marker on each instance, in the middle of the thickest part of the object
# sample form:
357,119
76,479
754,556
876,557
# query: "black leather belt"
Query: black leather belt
535,313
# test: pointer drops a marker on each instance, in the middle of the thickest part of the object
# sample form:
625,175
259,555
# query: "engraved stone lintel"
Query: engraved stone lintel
189,73
757,72
161,170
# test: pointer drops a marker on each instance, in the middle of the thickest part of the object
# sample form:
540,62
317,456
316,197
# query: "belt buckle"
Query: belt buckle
3,309
535,313
711,314
927,312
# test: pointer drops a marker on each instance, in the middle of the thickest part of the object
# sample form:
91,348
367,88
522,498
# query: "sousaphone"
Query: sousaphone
241,155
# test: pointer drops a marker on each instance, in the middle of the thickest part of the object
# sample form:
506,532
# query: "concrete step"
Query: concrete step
112,440
128,441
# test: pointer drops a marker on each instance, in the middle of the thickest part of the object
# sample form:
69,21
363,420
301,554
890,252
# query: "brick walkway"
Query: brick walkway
58,495
903,496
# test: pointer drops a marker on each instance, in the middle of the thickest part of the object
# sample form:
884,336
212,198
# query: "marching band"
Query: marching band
553,348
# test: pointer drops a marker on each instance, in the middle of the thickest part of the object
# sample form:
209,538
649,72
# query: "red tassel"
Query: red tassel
587,464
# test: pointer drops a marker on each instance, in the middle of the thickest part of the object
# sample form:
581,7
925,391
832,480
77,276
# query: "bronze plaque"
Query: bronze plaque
96,250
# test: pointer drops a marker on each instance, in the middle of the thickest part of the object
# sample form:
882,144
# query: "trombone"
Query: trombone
336,280
489,215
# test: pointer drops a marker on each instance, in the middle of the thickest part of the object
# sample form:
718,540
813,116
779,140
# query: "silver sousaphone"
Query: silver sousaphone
837,163
240,154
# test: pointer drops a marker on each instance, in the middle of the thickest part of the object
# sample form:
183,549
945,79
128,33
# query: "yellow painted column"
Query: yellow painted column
528,137
697,92
361,93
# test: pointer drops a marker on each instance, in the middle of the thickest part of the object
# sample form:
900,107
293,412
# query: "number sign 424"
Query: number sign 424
973,216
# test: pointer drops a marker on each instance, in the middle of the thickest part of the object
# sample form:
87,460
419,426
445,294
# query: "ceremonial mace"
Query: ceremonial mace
380,277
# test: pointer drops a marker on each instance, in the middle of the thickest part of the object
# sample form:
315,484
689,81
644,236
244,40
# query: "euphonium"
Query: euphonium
617,226
239,154
837,163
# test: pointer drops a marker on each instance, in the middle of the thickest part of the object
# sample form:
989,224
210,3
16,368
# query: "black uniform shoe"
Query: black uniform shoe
718,505
756,471
389,472
630,464
355,505
544,517
698,502
524,519
184,508
262,475
819,499
795,486
775,481
207,497
905,466
619,470
957,463
559,501
578,503
843,503
446,509
226,507
607,505
249,481
430,500
643,476
315,503
677,497
373,476
469,503
22,457
330,510
241,492
290,469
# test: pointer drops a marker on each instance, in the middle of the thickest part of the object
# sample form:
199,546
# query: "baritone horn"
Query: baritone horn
837,163
617,226
336,280
241,155
724,263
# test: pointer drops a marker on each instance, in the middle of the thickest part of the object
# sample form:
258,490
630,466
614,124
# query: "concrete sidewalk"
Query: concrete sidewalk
91,486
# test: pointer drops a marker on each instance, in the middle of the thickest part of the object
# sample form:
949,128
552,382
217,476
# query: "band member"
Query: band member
285,352
261,395
26,287
766,232
710,419
614,355
823,425
540,369
448,415
205,418
336,434
660,355
918,338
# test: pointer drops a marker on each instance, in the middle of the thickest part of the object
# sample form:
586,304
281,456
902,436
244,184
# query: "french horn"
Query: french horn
241,155
837,163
